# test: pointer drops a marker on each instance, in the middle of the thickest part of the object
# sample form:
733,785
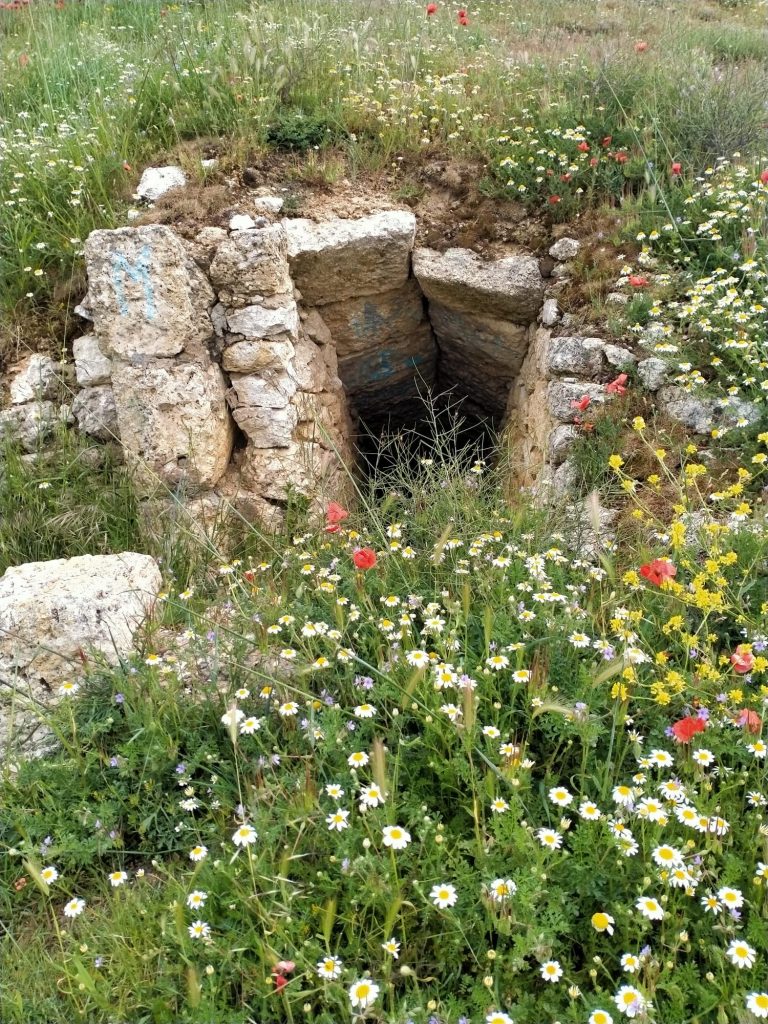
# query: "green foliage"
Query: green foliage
70,498
293,129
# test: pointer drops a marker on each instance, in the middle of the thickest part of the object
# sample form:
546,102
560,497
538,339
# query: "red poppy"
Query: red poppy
641,46
594,162
686,728
464,20
749,720
23,59
565,177
583,147
605,143
280,982
335,513
658,571
618,386
431,9
284,967
587,427
677,168
742,659
636,281
554,200
621,158
249,575
764,176
583,403
364,558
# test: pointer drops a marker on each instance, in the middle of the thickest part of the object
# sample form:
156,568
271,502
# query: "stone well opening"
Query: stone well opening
254,361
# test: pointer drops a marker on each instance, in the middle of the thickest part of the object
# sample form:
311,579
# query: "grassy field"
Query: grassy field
93,90
437,759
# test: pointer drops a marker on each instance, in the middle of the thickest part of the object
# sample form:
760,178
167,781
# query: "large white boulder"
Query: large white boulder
54,616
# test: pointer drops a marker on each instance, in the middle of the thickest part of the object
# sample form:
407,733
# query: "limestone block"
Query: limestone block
307,468
342,259
255,356
581,357
479,354
250,265
91,365
267,428
156,181
147,296
261,322
702,414
95,413
32,423
562,393
35,378
174,423
270,389
508,289
53,613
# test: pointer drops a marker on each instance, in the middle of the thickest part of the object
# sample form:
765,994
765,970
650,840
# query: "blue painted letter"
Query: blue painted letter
138,272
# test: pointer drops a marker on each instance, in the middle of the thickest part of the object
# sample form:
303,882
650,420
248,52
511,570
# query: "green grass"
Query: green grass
93,87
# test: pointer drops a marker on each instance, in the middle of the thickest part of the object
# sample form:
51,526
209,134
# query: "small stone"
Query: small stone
565,249
83,310
35,378
241,222
618,356
95,413
32,423
268,204
209,163
561,440
653,373
562,272
156,181
550,313
91,365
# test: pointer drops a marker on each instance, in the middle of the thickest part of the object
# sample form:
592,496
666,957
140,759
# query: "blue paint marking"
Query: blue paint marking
138,272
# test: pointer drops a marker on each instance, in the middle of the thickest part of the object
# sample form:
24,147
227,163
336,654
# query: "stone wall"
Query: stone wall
231,367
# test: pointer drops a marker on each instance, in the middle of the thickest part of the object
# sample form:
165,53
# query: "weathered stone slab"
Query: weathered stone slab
255,356
383,342
479,355
147,296
174,423
269,389
254,322
561,395
509,289
580,357
343,259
